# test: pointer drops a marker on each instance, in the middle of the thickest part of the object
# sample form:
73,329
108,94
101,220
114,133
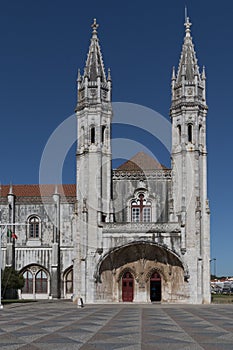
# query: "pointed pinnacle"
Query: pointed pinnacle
11,189
203,76
173,73
56,190
109,75
79,78
196,69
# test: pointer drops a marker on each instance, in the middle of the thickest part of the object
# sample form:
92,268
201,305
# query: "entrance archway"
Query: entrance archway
127,287
155,287
135,258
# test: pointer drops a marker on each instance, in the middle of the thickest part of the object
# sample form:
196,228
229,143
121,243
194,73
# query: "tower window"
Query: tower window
103,134
92,134
140,210
190,133
179,133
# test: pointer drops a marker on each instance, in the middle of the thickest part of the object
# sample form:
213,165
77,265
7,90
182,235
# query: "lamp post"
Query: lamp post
214,260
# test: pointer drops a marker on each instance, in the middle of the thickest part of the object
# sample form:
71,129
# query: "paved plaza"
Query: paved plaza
61,325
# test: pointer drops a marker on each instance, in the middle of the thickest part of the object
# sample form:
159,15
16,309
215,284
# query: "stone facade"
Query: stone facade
43,250
137,233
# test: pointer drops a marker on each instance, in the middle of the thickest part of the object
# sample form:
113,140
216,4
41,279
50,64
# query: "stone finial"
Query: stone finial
109,75
94,27
11,189
187,25
173,73
79,78
203,76
56,189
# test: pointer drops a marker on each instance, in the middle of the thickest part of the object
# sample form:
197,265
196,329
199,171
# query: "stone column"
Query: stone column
55,263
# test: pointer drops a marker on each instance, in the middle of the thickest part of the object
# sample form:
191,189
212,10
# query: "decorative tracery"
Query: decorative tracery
36,280
140,209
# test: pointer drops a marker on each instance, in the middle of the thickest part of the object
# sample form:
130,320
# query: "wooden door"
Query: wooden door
155,287
127,287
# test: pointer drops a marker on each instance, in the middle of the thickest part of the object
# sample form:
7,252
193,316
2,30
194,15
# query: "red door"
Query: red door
127,287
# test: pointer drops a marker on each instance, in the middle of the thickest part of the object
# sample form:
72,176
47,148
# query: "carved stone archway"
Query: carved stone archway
141,259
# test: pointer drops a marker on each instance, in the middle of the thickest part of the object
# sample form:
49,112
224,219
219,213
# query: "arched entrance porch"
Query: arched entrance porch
157,272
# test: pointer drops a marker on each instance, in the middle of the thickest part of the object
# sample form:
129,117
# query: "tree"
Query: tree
11,281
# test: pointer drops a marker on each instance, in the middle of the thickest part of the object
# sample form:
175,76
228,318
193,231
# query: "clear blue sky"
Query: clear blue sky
43,43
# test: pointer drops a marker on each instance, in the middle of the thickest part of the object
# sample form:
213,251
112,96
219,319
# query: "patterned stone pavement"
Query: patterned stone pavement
61,325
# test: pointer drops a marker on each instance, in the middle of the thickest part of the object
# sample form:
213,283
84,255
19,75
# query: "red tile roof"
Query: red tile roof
141,161
38,190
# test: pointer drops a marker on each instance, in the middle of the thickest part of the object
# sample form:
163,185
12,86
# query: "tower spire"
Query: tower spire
94,65
188,67
94,87
188,85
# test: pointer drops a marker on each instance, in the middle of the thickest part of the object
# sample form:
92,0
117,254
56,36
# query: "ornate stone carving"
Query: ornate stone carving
134,227
142,176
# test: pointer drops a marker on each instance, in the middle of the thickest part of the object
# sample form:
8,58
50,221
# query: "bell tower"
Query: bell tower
189,167
94,115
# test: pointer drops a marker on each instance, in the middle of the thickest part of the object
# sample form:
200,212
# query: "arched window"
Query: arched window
41,282
36,279
28,282
140,209
34,227
179,133
190,133
69,282
92,134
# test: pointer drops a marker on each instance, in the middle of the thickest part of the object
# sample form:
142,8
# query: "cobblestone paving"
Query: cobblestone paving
61,325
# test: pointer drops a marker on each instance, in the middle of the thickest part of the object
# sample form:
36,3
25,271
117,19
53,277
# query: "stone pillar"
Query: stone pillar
140,294
55,264
55,272
10,248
